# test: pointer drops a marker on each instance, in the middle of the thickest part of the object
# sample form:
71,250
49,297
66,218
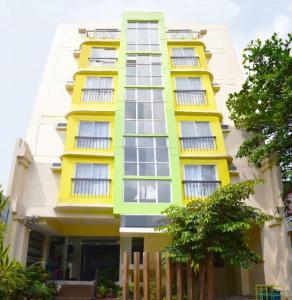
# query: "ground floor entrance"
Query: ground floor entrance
86,259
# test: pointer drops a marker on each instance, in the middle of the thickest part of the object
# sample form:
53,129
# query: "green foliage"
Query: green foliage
217,225
263,107
106,287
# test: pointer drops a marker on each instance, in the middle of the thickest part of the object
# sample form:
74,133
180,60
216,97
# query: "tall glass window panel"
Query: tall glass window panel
200,180
93,135
189,91
91,180
196,136
98,89
147,191
184,57
144,111
143,70
143,36
145,156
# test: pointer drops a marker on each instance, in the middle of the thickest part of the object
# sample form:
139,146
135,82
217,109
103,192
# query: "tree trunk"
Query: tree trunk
202,271
210,274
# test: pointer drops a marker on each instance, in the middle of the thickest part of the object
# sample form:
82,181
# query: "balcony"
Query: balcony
97,95
89,142
103,34
195,189
90,187
102,63
198,143
185,61
190,97
183,34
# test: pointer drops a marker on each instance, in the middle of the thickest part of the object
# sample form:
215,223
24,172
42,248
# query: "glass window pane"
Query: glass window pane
145,142
92,82
192,173
143,70
153,25
83,171
130,80
131,36
105,82
158,110
147,191
131,70
101,129
154,47
157,95
162,154
130,154
144,95
146,169
162,169
130,126
130,110
187,129
144,126
159,127
130,94
130,191
85,128
146,154
161,142
203,129
156,70
155,59
130,169
164,195
181,83
143,59
188,52
130,142
144,80
157,80
144,111
195,84
154,36
177,52
208,173
99,171
143,37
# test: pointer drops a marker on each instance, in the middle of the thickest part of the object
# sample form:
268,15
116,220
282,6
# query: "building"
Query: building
128,120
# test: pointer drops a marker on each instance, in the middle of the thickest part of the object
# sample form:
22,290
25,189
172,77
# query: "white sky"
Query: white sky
27,28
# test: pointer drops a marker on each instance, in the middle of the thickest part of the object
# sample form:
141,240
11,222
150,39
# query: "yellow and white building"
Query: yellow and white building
129,119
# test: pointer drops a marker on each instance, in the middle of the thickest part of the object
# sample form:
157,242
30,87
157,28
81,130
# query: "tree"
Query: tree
216,225
263,107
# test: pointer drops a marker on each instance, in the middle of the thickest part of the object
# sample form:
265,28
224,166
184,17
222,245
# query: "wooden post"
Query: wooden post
158,275
179,289
136,275
125,276
146,275
190,280
168,279
210,276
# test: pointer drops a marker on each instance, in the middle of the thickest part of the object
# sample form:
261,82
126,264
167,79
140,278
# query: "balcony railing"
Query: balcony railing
195,189
97,95
190,97
103,34
198,143
94,187
89,142
105,62
183,34
185,61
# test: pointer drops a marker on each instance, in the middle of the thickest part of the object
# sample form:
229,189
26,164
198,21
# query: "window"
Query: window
189,91
103,34
184,57
183,34
93,135
143,36
144,111
145,156
98,89
147,191
196,135
143,70
200,180
102,57
91,180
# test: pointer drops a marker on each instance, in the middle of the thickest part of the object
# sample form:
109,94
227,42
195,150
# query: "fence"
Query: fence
164,277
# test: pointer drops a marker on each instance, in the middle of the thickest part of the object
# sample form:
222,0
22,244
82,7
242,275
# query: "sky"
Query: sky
27,28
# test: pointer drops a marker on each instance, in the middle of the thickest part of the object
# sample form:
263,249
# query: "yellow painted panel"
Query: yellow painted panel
72,132
206,85
215,129
68,172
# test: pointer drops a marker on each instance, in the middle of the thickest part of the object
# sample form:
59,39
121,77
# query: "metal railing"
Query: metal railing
97,95
190,97
89,142
98,187
185,61
103,34
198,143
104,62
194,188
183,34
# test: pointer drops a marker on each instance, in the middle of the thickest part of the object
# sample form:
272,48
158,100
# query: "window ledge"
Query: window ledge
56,167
